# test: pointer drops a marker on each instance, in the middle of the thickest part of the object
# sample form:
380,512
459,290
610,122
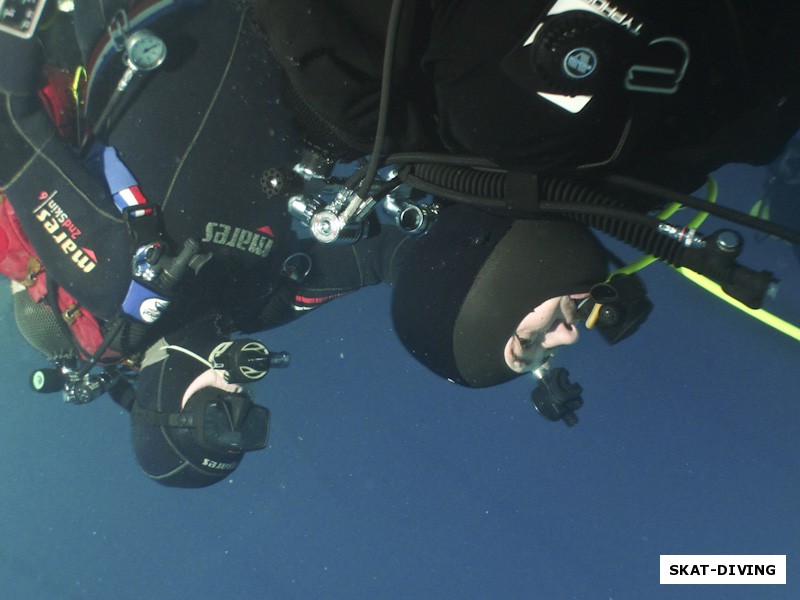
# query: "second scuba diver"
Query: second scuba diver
148,219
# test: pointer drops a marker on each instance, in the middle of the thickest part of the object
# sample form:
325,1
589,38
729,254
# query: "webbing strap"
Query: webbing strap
141,302
121,183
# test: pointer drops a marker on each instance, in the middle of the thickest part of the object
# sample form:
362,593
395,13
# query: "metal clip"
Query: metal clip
32,270
118,29
71,313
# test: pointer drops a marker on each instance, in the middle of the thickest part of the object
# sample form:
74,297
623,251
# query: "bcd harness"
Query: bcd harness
155,272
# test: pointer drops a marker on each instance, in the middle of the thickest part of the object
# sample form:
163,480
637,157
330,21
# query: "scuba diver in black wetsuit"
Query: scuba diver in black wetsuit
532,113
166,145
151,206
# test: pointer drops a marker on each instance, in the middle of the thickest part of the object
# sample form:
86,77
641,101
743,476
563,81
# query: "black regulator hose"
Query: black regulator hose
657,191
532,194
712,256
639,187
383,107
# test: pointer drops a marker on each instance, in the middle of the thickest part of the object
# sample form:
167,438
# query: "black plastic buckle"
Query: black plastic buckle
146,228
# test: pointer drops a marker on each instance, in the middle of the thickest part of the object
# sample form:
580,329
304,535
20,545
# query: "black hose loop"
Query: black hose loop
496,190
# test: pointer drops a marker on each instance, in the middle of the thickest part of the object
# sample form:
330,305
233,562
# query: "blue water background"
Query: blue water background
382,482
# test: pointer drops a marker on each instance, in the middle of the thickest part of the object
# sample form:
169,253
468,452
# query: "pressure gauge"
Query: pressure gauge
144,51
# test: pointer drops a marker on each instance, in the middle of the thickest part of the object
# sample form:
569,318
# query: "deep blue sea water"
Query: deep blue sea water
382,482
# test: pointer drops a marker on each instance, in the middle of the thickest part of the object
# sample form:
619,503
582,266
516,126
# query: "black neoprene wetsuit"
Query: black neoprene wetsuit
201,131
676,89
194,135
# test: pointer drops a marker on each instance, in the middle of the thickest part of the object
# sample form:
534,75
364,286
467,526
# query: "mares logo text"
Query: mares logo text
236,237
63,232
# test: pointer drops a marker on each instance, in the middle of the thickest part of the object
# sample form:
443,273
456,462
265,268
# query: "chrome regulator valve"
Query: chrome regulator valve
414,219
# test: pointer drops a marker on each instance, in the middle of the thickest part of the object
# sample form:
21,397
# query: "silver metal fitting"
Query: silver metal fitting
303,208
412,218
314,165
329,228
687,237
144,260
728,241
